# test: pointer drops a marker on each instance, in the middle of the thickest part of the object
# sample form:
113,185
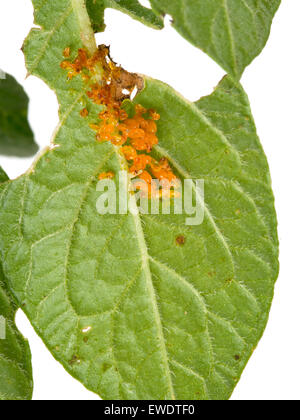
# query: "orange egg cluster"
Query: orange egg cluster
136,136
106,175
83,64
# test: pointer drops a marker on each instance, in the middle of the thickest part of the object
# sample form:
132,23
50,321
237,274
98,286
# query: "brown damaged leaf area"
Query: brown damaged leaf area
118,79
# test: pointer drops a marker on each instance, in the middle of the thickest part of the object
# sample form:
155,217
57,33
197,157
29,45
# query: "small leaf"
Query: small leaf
231,32
15,357
131,7
16,137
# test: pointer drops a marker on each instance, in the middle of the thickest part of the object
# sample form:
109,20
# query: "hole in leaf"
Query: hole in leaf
75,360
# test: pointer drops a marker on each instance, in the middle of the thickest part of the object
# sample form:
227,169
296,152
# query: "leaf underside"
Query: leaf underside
16,137
126,310
15,357
231,32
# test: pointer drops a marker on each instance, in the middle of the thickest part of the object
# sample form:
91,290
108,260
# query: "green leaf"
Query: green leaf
132,8
3,176
162,321
16,137
231,32
119,302
15,357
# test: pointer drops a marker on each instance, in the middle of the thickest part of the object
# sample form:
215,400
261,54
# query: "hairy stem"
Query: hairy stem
86,31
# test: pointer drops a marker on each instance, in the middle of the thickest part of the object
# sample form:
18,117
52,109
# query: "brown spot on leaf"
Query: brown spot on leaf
126,81
75,360
180,240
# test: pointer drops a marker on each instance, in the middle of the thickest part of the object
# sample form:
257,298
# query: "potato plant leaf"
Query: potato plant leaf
129,309
231,32
16,137
15,357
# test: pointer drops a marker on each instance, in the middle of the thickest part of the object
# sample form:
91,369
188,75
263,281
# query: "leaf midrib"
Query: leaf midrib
145,257
231,37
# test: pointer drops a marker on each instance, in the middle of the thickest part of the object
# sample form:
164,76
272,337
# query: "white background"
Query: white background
272,83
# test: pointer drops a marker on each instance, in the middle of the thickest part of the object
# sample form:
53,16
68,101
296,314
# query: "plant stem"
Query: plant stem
86,31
